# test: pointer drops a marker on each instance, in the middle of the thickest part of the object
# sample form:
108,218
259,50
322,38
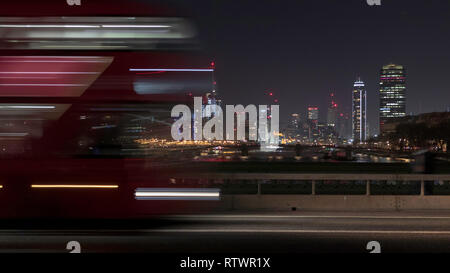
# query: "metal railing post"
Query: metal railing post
367,187
313,187
422,187
259,187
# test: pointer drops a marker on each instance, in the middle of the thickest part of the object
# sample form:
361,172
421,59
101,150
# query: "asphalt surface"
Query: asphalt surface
249,232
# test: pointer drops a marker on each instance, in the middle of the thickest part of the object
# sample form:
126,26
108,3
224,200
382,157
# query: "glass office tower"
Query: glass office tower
359,112
392,93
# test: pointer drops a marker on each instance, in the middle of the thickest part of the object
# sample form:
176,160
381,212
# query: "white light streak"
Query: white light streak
82,26
27,107
177,194
171,69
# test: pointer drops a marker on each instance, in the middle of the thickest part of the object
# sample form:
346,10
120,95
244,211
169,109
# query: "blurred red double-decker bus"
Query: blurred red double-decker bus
86,91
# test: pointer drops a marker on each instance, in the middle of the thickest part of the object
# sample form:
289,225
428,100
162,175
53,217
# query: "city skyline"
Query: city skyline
392,104
304,49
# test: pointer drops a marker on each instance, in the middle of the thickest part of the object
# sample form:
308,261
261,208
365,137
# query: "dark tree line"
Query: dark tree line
420,134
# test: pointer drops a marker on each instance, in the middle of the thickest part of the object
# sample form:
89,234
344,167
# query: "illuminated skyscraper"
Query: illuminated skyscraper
295,121
392,93
313,121
359,112
293,129
313,114
332,112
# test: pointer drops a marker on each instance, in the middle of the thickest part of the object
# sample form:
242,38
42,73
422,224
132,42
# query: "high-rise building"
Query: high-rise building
344,125
332,112
293,128
295,121
359,112
313,121
392,93
313,114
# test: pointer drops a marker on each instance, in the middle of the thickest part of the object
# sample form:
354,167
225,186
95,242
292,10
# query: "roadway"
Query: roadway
244,232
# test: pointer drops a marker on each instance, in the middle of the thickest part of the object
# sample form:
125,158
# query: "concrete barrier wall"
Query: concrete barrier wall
333,202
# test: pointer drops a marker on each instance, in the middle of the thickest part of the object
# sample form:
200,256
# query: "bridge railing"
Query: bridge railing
318,184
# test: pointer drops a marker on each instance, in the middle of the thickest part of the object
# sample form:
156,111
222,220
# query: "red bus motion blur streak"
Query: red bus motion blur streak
71,109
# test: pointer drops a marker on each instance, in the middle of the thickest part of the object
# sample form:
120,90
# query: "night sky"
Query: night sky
303,50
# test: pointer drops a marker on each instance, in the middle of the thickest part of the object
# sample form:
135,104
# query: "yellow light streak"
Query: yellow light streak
75,186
